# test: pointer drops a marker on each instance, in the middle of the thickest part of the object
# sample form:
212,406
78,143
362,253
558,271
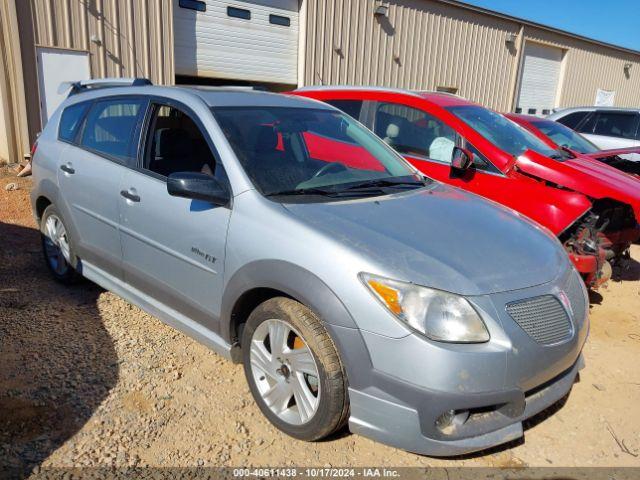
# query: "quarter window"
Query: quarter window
412,131
110,128
70,121
350,107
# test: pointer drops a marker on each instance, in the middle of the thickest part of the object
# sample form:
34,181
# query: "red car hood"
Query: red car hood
611,153
552,208
584,175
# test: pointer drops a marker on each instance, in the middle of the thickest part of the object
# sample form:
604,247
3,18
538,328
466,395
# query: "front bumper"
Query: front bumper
400,387
497,418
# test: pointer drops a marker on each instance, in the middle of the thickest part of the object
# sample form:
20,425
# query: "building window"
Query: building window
532,111
193,5
280,20
239,13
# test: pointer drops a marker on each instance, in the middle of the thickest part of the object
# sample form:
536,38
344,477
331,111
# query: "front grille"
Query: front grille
576,293
543,318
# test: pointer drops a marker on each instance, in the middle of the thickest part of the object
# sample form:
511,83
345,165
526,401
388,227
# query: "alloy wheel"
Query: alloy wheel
285,372
56,245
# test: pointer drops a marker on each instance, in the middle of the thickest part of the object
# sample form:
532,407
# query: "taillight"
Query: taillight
34,147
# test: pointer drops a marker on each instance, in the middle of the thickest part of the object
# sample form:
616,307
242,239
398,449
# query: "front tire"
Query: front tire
293,370
57,247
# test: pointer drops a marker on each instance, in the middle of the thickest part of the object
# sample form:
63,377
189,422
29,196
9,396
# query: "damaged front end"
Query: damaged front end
618,225
588,249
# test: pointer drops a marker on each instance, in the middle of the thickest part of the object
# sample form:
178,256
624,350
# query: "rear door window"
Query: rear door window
111,126
70,121
616,124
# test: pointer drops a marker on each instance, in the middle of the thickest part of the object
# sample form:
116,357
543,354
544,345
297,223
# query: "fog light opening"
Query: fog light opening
451,420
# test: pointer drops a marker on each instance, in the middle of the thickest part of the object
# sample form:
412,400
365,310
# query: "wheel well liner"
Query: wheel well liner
41,204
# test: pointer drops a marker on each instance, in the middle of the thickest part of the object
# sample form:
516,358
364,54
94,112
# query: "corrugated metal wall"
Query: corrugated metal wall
589,67
135,40
14,136
136,35
424,44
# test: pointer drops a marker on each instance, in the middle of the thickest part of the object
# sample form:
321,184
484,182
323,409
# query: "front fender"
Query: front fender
290,279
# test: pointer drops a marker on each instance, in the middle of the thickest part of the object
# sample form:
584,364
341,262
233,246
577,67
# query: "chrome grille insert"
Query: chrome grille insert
543,318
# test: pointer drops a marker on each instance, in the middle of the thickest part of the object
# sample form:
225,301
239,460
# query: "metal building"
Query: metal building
498,60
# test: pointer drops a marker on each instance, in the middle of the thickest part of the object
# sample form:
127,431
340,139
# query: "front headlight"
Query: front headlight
440,316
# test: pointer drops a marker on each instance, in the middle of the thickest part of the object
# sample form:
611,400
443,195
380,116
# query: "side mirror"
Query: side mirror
197,186
461,158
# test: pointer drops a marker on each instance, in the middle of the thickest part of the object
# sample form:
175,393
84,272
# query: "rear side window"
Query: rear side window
614,124
70,121
350,107
573,119
110,127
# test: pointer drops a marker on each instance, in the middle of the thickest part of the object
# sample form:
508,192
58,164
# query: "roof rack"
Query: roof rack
93,84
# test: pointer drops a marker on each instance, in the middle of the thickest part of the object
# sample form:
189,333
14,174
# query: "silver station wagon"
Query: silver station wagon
284,235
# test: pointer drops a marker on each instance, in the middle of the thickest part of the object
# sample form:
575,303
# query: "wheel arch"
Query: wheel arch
258,281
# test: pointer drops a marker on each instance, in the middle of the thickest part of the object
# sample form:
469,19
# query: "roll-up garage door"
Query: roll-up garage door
253,40
539,80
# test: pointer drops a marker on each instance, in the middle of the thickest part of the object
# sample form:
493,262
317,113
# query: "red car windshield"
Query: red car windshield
564,136
501,131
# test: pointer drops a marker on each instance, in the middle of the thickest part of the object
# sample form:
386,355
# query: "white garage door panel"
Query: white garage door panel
56,66
213,44
540,77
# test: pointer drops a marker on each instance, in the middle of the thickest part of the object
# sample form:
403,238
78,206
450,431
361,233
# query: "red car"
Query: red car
557,135
495,158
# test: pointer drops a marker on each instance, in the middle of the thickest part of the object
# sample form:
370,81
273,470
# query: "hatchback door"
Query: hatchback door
91,171
174,248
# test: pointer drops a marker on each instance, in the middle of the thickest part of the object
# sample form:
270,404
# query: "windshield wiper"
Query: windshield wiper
384,182
303,191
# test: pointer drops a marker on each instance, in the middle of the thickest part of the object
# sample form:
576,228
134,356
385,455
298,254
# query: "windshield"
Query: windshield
304,151
564,136
501,131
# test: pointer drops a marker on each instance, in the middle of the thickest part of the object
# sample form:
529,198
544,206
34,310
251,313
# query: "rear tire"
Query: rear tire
293,370
57,247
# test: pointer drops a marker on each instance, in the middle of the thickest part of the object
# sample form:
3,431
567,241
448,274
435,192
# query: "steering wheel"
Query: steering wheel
338,167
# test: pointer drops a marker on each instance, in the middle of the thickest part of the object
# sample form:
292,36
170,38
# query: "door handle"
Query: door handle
67,168
130,196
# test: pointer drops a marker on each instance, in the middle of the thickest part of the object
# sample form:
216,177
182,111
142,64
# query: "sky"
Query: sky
612,21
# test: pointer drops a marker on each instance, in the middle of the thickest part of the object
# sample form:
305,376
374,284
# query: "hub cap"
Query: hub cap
56,245
285,372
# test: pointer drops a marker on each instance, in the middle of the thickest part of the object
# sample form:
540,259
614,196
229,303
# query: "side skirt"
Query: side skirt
166,314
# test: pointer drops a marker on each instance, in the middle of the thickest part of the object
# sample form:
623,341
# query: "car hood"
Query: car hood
584,175
441,237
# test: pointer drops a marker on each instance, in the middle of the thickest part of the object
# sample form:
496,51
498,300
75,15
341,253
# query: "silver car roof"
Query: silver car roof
211,96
